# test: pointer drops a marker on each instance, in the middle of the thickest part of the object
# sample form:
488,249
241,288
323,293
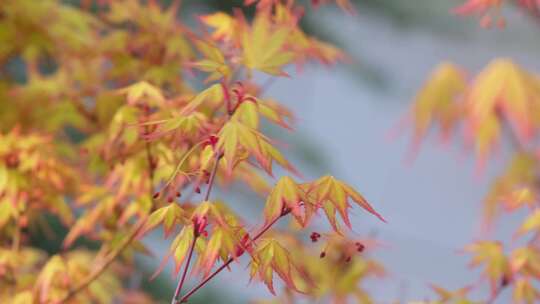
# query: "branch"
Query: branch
192,247
108,261
179,286
90,116
114,254
212,177
186,297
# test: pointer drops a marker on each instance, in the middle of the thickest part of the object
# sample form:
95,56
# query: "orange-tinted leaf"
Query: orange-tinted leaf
491,256
328,190
285,195
271,257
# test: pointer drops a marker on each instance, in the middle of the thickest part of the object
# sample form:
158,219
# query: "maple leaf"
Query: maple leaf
501,90
178,249
236,139
225,26
214,62
45,282
531,223
526,260
513,187
183,125
286,195
334,195
448,295
168,216
263,46
222,243
436,103
270,257
275,112
143,93
250,108
212,95
525,292
491,255
180,246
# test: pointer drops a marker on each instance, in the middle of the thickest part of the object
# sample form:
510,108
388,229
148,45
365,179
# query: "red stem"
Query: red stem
192,247
212,177
184,274
230,260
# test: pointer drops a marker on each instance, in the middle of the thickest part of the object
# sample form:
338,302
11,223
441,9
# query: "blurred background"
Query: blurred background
349,126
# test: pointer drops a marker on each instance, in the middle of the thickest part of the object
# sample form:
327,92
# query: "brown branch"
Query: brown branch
105,264
90,116
115,253
186,297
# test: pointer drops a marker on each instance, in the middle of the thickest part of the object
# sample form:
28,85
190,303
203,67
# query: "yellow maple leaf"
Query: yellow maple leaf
270,257
435,104
225,26
502,90
334,195
263,46
287,194
491,256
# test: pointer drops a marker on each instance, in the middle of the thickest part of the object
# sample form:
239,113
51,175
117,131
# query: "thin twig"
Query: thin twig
192,247
186,297
184,274
114,254
212,177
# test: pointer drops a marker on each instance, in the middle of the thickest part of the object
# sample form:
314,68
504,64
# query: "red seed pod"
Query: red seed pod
322,255
156,195
360,247
200,224
197,190
212,140
178,194
314,236
12,160
348,259
170,199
